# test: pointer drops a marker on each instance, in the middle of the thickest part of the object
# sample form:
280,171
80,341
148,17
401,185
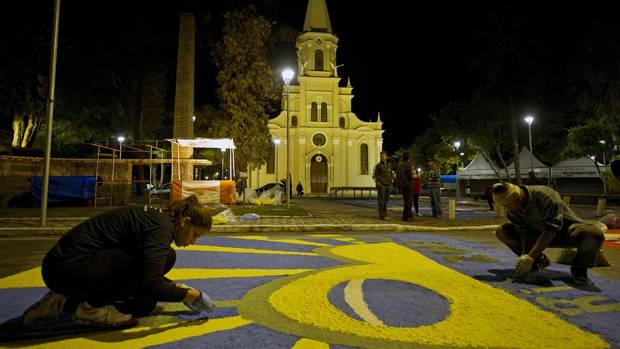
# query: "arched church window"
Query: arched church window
341,122
364,159
323,112
294,121
318,60
314,112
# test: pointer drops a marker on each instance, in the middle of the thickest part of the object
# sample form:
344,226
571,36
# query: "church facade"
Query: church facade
329,146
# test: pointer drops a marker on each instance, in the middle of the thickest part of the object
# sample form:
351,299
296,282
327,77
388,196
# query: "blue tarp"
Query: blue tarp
448,178
64,188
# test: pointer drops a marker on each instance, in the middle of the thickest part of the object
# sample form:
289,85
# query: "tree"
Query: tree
25,94
248,86
584,140
506,59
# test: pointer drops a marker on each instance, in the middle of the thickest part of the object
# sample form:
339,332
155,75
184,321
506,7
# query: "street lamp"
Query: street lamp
120,139
277,143
457,144
602,141
223,150
287,76
529,119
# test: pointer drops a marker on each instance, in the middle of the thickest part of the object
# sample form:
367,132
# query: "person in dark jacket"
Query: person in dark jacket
112,266
433,184
382,174
416,190
405,179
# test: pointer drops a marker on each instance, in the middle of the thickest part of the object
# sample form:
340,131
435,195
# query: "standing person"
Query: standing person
433,183
488,194
300,189
112,266
383,180
416,190
404,178
538,218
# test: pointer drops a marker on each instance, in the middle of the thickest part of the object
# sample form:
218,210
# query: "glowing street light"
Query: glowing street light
602,141
529,119
457,145
120,139
287,76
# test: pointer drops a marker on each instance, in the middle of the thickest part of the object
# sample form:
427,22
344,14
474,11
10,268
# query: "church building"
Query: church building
329,145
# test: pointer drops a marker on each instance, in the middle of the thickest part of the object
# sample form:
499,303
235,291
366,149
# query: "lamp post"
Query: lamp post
287,76
602,141
223,150
120,139
457,144
277,143
529,119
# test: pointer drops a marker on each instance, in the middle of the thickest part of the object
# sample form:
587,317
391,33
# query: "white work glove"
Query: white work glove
523,266
203,303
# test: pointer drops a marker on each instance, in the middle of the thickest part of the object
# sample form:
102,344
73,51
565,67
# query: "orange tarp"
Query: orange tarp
208,192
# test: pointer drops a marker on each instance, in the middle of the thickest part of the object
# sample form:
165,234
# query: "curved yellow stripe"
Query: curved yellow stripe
32,277
195,273
208,248
305,343
354,296
275,239
480,315
142,337
28,278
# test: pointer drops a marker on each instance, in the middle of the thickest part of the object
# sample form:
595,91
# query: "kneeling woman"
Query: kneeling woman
112,266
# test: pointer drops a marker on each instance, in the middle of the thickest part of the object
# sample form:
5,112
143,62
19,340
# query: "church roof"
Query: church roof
317,18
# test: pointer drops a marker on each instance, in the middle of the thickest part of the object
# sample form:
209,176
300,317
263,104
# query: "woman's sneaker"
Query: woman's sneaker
107,316
49,307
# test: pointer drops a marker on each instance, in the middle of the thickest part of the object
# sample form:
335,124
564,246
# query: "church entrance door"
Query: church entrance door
318,174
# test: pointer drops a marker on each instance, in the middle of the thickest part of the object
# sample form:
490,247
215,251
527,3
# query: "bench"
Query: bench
363,192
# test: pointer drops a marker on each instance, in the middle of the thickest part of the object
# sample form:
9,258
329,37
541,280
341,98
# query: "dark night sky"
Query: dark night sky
404,59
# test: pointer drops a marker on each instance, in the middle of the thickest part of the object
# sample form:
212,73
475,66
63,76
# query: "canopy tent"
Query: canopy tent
222,191
527,163
216,143
478,168
582,167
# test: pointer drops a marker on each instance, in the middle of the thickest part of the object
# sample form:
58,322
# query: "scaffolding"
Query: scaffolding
105,190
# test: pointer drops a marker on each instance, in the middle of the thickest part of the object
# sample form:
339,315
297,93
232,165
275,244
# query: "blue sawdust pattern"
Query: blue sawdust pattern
394,303
217,260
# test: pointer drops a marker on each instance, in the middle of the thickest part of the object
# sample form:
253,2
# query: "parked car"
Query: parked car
164,190
270,186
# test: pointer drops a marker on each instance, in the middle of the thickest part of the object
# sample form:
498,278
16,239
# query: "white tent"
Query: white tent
215,143
582,167
528,163
478,168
